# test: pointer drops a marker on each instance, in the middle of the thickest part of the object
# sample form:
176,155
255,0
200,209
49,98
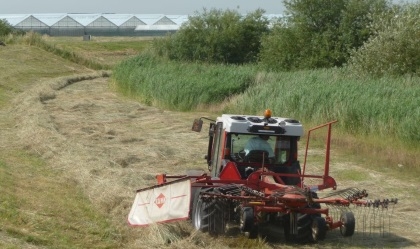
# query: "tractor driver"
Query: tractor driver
259,143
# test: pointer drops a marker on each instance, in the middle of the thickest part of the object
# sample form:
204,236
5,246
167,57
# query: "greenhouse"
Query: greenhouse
95,24
76,24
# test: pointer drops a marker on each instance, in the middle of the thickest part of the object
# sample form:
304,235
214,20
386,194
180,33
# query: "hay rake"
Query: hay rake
254,187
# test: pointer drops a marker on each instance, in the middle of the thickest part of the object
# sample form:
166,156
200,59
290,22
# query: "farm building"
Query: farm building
99,24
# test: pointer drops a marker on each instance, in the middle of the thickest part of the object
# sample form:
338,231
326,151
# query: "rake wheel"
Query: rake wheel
348,224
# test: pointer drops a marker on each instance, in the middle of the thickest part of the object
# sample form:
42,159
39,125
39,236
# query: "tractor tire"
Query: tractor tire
319,229
247,225
304,226
304,229
209,215
349,224
195,193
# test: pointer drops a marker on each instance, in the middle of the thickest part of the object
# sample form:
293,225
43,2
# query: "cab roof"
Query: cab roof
261,125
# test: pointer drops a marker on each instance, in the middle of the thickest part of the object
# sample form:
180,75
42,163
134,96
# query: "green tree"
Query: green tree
319,33
280,50
216,36
356,25
394,50
5,28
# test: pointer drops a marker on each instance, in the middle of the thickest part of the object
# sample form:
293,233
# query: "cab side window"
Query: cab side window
282,149
217,149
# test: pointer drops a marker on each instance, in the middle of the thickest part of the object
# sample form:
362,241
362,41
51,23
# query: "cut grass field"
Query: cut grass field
22,66
38,209
72,156
107,51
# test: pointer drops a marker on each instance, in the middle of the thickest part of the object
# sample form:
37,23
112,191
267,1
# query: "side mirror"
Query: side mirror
197,125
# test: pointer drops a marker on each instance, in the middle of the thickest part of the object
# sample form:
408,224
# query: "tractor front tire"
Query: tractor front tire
208,215
304,228
304,223
247,224
319,229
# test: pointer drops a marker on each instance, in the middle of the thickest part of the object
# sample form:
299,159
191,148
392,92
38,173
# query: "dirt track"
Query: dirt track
112,146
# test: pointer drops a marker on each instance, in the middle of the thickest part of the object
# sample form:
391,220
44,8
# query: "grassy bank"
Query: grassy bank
22,66
39,206
99,53
106,51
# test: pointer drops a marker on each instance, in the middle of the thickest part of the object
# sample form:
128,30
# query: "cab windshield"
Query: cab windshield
256,148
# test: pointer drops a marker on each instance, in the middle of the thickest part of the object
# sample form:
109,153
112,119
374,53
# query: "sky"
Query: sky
167,7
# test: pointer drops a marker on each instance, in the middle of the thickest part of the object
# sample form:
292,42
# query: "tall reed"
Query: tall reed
181,86
384,107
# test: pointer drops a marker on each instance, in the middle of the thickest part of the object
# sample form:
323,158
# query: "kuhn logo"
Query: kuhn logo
160,200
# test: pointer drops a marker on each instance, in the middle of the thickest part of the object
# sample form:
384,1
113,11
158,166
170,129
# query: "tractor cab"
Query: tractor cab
244,144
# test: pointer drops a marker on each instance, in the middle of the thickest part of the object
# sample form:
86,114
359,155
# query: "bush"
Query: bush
319,34
5,28
395,49
216,36
281,50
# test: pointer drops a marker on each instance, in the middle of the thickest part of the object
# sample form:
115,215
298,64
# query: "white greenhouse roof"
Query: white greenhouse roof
178,19
118,19
150,21
49,19
150,18
14,19
156,27
85,19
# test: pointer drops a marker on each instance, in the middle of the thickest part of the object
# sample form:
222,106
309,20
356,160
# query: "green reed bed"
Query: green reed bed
181,86
385,107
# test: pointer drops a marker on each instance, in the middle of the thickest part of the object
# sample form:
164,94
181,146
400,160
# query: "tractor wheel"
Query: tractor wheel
247,224
304,225
319,229
349,224
208,215
195,193
304,228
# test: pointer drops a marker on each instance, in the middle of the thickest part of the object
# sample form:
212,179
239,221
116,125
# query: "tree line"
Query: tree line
368,36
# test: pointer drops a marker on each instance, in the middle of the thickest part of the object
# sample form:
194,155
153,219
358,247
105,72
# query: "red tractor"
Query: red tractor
255,179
